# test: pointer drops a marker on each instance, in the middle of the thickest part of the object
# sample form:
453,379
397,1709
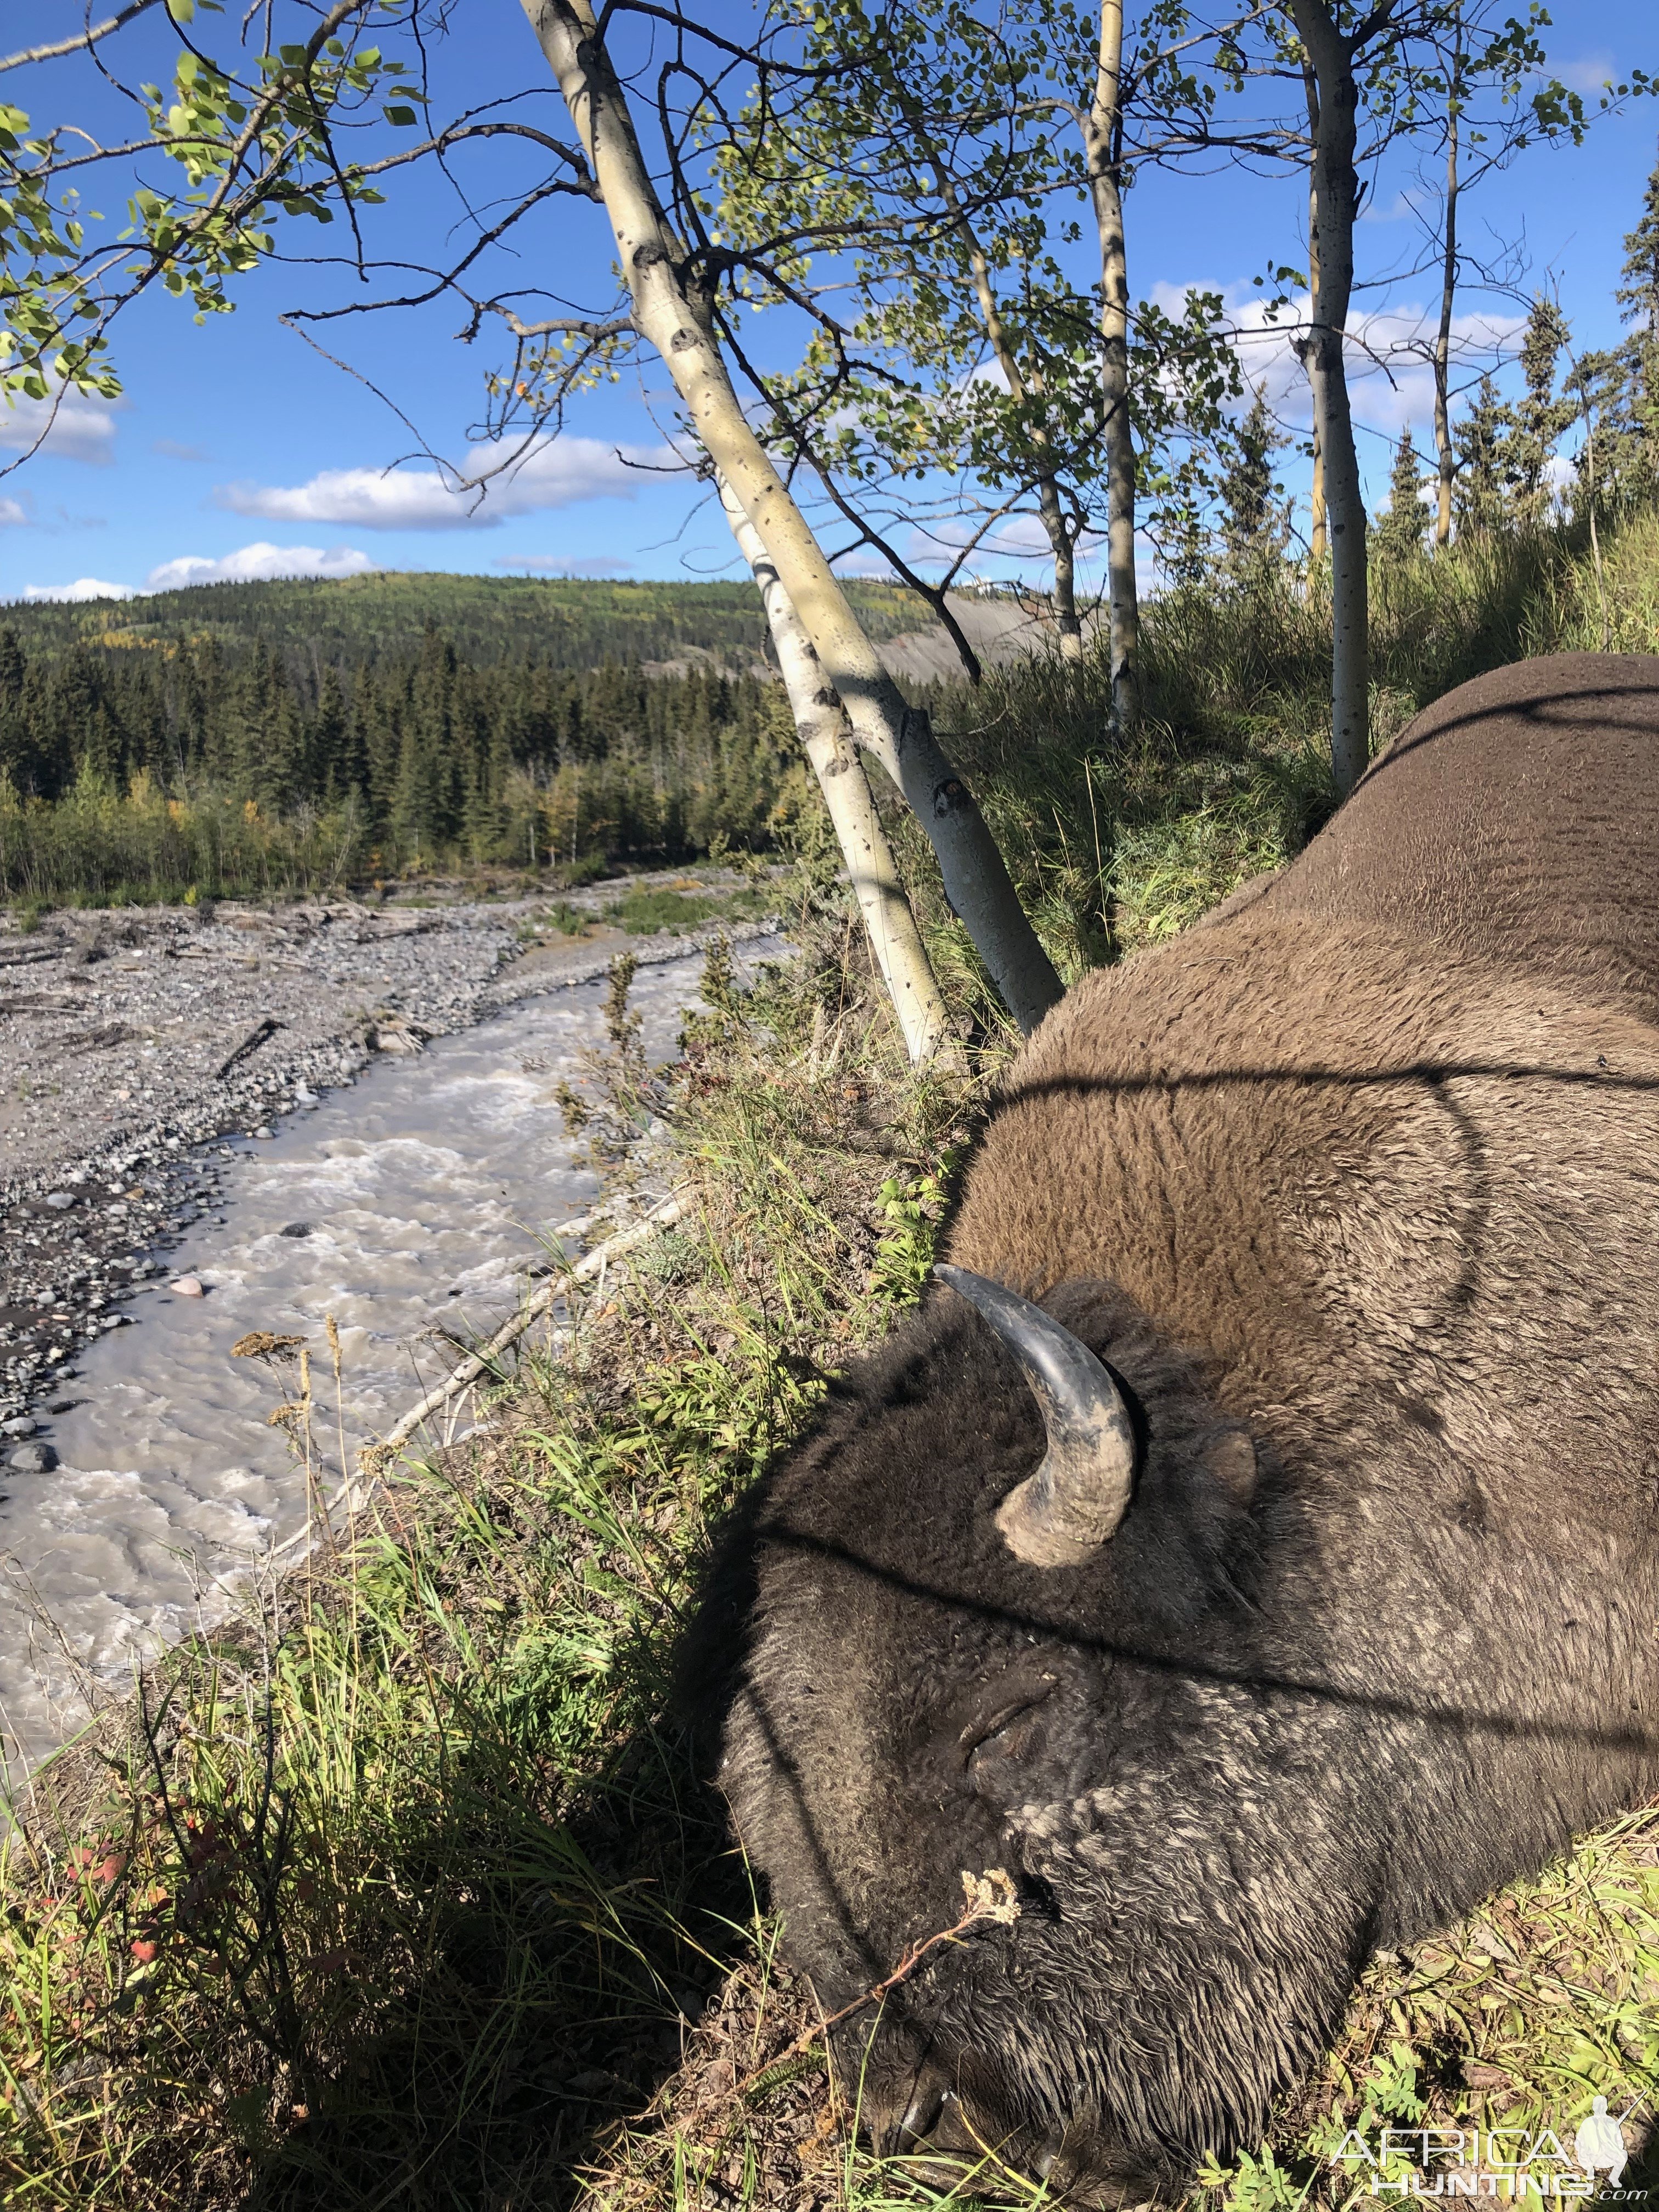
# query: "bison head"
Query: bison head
1001,1611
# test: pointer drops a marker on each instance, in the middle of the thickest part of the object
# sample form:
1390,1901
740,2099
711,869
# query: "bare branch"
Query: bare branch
81,43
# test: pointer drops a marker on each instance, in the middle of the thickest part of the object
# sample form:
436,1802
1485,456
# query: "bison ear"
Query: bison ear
1060,1516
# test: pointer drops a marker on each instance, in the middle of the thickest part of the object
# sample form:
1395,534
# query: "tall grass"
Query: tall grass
1116,845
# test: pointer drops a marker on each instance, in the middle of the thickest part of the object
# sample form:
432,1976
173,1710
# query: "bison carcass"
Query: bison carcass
1285,1576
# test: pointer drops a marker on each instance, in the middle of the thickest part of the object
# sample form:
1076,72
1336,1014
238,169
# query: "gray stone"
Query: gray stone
60,1200
22,1426
295,1229
33,1459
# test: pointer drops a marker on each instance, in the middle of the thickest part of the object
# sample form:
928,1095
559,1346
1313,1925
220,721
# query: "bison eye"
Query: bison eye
1005,1738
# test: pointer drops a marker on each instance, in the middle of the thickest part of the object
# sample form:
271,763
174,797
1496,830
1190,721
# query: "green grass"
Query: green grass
1117,846
645,912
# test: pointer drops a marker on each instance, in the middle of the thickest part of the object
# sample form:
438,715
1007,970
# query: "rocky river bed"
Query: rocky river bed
380,1175
130,1041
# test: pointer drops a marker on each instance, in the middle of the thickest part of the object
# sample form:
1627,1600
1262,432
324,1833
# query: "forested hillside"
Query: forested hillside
360,620
141,775
243,734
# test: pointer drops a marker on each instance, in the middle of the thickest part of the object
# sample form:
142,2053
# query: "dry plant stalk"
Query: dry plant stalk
293,1415
990,1897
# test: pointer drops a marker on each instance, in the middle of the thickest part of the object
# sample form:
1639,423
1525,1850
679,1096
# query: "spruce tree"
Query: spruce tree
12,671
16,761
1638,296
1478,440
1399,526
1537,420
1255,526
1636,462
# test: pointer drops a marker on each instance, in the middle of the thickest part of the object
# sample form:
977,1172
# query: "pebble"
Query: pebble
60,1200
188,1286
262,1133
295,1229
33,1459
21,1427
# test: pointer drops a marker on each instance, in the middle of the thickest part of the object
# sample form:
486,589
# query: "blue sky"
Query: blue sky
239,450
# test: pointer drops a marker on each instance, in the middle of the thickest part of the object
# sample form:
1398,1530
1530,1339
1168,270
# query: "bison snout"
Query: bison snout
906,2092
914,2100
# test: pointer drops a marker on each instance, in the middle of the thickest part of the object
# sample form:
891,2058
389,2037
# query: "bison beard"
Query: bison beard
1351,1195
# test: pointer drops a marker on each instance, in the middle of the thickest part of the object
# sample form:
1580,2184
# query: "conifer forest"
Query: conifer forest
276,736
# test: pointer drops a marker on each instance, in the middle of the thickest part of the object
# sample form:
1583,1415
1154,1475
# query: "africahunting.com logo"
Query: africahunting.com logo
1512,2162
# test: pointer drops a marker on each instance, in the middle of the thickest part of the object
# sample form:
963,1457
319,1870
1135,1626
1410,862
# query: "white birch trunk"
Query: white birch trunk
1101,135
1318,545
895,939
1442,443
976,881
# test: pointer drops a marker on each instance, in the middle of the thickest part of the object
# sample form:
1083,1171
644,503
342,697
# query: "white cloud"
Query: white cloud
83,588
867,561
11,513
252,564
260,564
556,473
1589,74
82,430
1020,537
1390,377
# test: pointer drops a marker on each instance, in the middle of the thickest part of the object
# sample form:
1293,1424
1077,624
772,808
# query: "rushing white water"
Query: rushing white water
427,1190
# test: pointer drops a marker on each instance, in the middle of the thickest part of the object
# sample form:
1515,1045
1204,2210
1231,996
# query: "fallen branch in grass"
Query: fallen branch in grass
661,1216
373,1459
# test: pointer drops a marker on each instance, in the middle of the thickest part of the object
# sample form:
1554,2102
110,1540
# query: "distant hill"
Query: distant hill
362,621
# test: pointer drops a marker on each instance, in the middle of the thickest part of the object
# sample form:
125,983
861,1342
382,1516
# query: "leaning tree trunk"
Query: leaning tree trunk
1442,444
976,881
1333,101
894,938
1103,133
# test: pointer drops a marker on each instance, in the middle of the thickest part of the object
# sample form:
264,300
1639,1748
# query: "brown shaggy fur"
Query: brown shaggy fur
1368,1165
1516,821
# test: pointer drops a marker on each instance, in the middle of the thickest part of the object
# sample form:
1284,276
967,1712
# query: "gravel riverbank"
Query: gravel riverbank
140,1050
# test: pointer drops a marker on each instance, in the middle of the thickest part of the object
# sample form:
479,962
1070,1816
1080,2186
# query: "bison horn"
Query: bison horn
1063,1514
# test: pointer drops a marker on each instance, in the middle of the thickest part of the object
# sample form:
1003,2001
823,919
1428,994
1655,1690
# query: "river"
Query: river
424,1193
